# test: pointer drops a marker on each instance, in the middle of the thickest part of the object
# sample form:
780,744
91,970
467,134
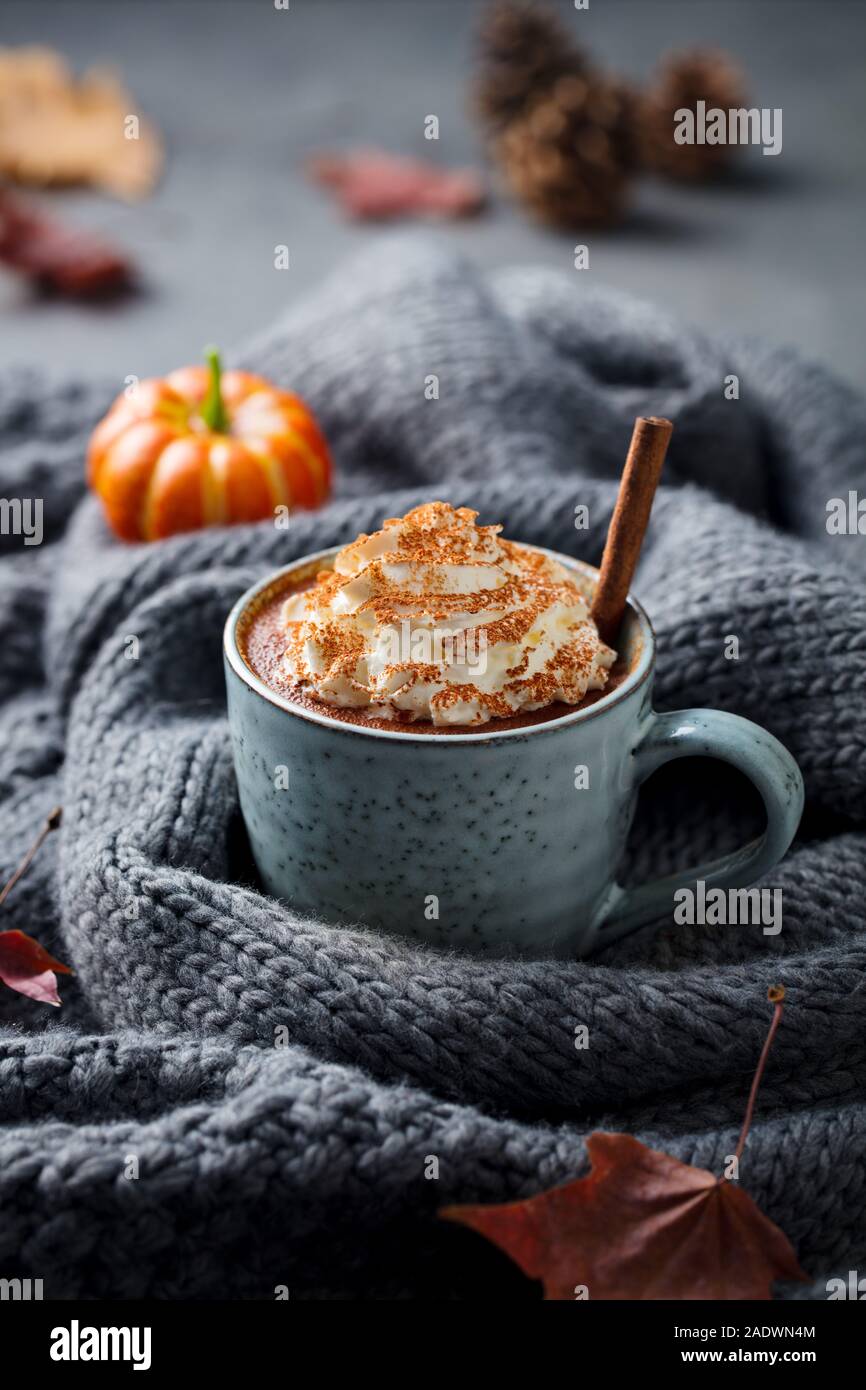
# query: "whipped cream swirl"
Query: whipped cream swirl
435,618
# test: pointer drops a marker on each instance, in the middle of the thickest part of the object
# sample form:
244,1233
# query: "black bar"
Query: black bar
250,1339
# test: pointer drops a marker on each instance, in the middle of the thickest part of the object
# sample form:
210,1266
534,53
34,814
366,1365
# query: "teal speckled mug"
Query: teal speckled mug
484,841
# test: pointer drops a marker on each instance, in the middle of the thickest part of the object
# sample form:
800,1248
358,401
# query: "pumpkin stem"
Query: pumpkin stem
213,411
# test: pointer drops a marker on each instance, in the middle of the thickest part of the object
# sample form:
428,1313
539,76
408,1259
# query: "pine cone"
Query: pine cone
683,80
569,156
524,48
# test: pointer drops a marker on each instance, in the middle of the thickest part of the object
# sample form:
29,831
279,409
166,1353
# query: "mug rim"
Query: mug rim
636,677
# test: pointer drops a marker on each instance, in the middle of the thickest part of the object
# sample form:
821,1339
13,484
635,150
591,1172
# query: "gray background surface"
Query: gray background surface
242,92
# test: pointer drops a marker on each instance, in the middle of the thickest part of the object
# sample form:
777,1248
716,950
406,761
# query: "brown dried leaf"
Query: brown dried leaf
55,129
642,1225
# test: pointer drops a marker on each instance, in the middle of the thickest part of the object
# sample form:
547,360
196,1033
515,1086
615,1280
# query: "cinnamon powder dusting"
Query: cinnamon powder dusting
437,618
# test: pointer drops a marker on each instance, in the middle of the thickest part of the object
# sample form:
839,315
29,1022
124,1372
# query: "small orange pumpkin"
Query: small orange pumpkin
202,448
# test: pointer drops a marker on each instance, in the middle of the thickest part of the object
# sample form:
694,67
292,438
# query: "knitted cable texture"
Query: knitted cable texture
304,1164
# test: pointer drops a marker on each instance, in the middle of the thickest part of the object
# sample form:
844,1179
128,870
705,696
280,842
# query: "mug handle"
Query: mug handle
693,733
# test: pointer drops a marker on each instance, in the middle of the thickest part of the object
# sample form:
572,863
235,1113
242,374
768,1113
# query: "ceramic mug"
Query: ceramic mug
482,840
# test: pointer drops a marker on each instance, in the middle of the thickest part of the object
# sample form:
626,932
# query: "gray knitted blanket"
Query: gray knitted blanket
304,1165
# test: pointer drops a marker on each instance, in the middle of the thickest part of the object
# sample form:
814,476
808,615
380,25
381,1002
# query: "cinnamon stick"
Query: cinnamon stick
628,524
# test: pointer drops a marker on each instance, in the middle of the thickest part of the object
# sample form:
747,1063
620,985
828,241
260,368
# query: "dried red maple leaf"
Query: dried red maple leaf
643,1225
375,185
27,967
69,261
